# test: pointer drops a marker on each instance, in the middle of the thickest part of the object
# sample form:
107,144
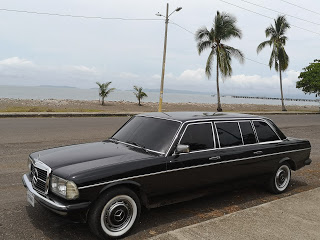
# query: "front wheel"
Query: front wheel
114,213
279,181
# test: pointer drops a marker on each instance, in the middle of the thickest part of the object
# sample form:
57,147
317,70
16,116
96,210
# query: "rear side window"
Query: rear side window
264,132
229,134
198,137
247,133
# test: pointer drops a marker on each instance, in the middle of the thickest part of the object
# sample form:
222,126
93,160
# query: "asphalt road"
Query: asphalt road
21,136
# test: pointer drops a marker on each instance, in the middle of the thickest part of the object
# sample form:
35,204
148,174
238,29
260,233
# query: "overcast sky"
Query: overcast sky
50,50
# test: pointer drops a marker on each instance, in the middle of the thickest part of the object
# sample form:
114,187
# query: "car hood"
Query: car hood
68,160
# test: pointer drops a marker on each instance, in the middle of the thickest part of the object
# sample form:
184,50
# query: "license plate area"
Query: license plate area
30,198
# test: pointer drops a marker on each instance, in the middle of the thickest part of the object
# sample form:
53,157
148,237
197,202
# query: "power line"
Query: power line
181,27
265,16
300,7
194,34
280,12
80,16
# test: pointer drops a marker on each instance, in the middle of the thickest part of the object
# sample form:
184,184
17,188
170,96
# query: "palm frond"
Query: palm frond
202,45
263,44
224,62
225,27
235,53
202,34
283,58
209,63
270,31
272,58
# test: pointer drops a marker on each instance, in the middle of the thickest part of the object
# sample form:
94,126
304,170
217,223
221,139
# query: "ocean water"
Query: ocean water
44,92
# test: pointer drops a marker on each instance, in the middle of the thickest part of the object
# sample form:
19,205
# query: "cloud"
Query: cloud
15,61
192,75
255,85
18,71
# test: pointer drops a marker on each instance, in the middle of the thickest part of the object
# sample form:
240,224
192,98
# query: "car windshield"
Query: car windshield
149,133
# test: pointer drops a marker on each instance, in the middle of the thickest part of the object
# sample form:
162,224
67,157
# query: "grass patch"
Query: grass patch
46,109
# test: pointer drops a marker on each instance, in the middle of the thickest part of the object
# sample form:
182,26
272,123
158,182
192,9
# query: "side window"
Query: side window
198,136
229,134
264,132
247,133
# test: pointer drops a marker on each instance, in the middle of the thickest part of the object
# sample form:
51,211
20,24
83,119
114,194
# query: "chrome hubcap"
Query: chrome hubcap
282,177
118,215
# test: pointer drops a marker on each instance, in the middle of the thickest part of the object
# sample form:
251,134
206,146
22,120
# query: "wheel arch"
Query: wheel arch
132,185
288,160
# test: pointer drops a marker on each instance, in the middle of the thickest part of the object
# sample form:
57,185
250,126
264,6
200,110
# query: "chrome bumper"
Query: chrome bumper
50,203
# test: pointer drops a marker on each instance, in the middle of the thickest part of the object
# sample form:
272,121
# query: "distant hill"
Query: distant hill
51,86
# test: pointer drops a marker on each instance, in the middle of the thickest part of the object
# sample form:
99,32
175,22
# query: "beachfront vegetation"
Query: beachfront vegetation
277,41
104,90
310,78
224,28
139,93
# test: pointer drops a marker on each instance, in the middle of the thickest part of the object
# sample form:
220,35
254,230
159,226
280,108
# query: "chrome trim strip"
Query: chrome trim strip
215,126
159,118
213,136
224,119
185,168
174,139
241,133
255,132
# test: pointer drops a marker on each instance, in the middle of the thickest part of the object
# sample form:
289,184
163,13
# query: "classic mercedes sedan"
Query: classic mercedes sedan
157,154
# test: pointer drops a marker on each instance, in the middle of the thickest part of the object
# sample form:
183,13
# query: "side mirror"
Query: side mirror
182,149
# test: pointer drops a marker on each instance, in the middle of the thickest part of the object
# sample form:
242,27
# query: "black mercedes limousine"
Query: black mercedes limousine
157,154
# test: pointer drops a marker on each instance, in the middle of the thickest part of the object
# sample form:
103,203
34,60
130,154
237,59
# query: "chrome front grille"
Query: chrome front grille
40,177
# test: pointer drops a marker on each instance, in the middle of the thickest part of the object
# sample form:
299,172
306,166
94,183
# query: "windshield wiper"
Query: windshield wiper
114,140
138,145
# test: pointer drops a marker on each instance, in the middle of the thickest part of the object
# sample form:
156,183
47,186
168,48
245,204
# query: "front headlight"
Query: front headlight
64,188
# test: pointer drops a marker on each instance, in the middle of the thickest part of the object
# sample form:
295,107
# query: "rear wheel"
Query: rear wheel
280,179
114,213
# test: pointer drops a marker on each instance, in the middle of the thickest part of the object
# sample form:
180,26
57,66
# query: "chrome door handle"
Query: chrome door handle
258,153
215,158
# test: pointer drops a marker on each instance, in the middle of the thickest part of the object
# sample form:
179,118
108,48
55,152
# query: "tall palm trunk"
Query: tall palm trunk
219,109
102,100
282,101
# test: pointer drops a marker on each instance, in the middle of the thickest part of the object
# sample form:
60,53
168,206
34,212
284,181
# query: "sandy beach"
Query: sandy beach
68,105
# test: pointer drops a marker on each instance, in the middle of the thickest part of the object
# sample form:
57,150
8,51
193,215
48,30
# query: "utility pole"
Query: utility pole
164,52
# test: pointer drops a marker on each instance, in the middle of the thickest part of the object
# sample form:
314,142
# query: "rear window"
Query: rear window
264,132
247,133
198,137
229,134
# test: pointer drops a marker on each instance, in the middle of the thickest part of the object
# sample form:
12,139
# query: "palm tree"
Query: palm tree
139,93
277,40
224,27
104,91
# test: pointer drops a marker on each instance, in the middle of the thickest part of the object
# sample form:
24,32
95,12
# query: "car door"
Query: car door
235,156
190,170
246,157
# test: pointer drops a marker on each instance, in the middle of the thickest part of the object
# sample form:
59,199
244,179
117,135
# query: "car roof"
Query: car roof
189,116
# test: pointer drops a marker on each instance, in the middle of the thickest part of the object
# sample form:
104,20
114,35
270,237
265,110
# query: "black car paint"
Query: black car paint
95,167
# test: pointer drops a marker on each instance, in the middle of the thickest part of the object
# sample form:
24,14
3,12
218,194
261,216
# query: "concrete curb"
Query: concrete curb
62,114
119,114
293,217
